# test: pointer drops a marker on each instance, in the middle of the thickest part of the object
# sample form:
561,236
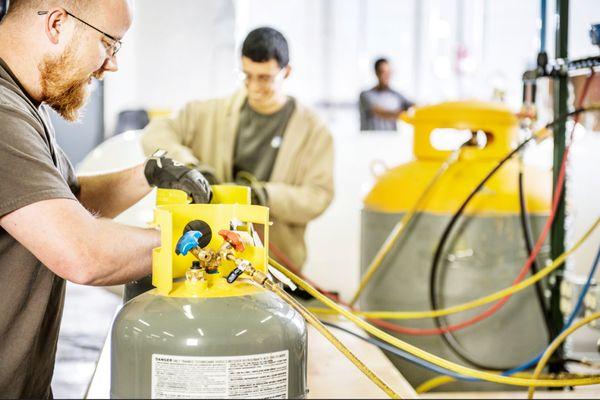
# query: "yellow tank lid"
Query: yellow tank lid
452,113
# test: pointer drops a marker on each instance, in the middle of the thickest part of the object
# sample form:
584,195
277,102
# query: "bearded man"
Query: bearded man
55,226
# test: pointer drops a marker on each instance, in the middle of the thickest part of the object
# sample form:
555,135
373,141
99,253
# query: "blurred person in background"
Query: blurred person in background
258,137
381,106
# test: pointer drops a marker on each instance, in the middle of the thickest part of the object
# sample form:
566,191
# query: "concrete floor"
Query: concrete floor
87,316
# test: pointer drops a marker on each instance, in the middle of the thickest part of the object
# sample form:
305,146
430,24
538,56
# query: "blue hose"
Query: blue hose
403,354
544,20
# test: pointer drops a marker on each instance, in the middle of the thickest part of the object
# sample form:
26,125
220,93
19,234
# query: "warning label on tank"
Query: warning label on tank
261,376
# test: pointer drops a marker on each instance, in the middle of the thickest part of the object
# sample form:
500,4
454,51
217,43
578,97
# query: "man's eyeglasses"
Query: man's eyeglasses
115,45
262,80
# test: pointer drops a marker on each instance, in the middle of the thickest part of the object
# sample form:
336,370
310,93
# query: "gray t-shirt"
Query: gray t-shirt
259,138
387,99
32,168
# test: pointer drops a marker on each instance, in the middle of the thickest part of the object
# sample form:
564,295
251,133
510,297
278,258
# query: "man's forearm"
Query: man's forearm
110,194
123,253
79,247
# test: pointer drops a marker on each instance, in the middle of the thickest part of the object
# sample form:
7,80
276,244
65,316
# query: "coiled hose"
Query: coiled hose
528,239
438,381
398,315
448,336
470,372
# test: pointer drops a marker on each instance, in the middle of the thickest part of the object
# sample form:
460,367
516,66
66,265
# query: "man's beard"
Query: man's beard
63,87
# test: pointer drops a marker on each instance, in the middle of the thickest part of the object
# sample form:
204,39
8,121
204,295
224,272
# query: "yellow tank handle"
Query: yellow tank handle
498,123
222,194
171,196
230,194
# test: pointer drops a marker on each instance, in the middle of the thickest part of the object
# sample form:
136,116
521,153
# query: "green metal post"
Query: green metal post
557,238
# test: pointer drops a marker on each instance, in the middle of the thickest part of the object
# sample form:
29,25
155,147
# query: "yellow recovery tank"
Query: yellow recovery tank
483,254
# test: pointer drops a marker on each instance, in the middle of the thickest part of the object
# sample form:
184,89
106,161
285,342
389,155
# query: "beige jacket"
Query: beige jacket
301,185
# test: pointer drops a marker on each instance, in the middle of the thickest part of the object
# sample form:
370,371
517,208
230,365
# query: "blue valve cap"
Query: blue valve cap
187,242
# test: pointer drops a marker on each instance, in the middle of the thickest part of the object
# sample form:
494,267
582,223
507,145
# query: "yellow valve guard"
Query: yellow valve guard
173,212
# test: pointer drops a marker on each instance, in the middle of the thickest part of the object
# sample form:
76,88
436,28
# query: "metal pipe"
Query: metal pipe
557,237
544,24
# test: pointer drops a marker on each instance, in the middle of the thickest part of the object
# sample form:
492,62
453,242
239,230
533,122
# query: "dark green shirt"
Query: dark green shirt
32,168
259,138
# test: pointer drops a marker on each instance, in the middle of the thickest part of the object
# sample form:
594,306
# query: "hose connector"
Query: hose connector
245,266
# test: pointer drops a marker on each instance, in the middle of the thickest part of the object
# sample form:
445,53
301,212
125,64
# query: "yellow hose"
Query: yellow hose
441,380
470,372
477,302
263,280
434,383
314,321
401,226
556,344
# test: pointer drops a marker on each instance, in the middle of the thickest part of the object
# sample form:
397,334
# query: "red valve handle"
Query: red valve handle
233,239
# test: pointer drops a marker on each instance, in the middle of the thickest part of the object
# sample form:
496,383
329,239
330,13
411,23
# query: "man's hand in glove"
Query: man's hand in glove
165,173
259,194
206,170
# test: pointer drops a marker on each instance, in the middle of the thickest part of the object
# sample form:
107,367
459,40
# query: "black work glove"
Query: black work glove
166,173
259,195
206,170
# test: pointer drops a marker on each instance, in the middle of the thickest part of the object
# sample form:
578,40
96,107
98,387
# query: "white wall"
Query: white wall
389,30
174,54
301,23
583,13
511,44
441,49
334,238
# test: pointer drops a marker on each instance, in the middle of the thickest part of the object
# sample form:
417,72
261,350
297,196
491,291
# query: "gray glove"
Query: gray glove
165,173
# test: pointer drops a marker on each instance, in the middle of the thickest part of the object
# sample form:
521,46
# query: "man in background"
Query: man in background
381,106
258,137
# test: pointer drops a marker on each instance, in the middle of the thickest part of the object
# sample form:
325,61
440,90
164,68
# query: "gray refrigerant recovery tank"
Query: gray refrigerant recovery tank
196,335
